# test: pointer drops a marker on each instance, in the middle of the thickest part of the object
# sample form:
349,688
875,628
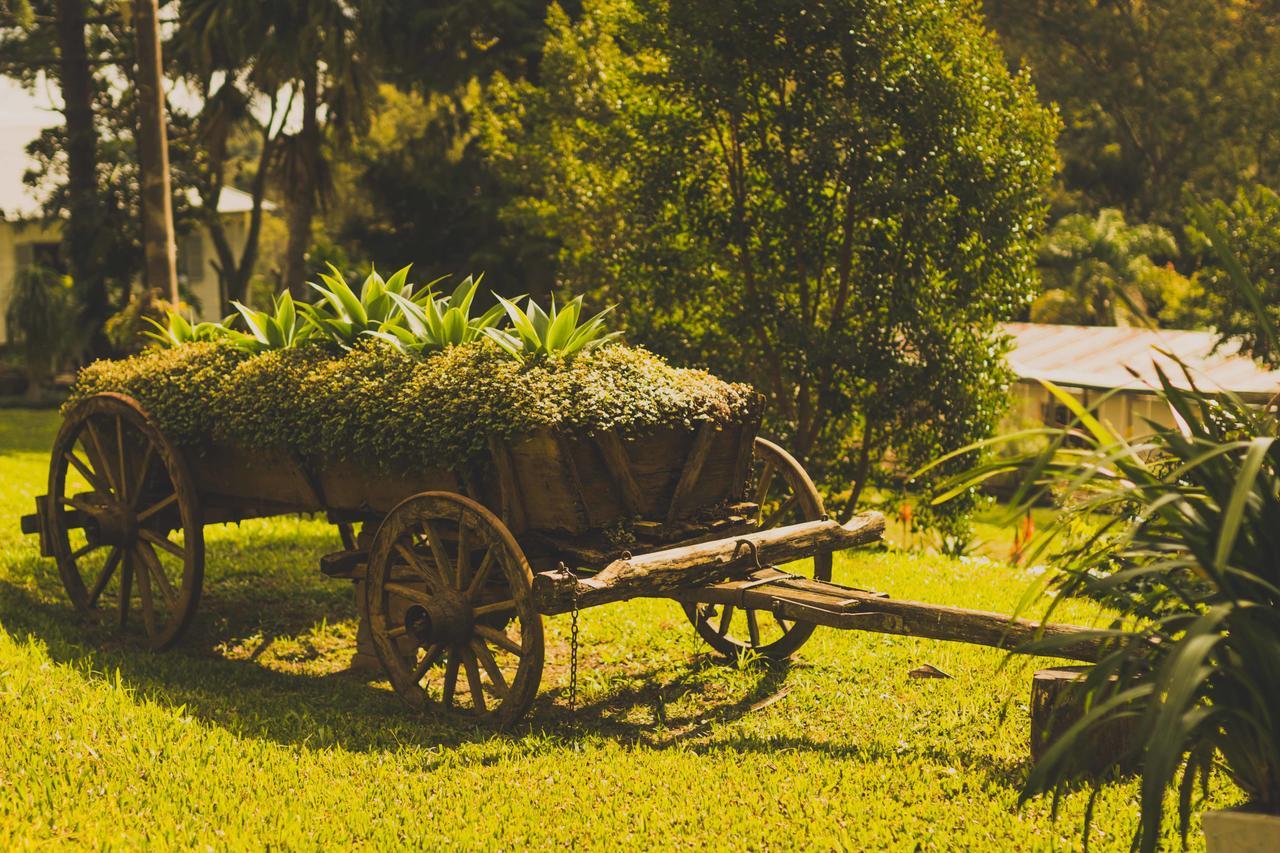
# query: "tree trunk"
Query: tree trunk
85,219
301,189
153,156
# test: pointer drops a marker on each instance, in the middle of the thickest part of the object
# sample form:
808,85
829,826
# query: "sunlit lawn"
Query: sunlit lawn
251,733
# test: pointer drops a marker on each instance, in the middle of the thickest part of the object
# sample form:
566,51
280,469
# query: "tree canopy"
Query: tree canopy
836,201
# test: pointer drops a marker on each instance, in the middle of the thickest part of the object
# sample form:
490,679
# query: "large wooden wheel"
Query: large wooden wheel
449,605
786,495
122,517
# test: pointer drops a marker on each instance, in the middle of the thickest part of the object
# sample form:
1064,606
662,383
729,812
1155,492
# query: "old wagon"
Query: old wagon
455,568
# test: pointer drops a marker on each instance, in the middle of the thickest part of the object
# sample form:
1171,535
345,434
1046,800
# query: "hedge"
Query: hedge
379,406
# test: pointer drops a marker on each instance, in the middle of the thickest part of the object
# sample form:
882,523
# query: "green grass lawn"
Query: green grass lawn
251,733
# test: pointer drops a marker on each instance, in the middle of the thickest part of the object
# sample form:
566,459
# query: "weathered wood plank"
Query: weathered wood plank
512,510
664,572
692,469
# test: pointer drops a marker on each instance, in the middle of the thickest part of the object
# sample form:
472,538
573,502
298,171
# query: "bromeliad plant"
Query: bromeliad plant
436,322
1182,540
537,334
284,327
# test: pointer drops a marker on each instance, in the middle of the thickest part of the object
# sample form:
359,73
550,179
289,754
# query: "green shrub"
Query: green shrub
377,405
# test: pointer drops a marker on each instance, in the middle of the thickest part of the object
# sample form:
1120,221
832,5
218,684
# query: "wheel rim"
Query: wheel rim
124,519
786,495
449,605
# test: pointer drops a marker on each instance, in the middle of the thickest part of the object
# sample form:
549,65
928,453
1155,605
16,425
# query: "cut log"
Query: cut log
1057,703
662,573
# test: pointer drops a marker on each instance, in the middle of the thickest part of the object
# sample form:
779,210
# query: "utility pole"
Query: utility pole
153,155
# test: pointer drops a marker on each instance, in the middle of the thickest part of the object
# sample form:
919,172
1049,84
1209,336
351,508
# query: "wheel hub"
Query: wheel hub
117,524
447,618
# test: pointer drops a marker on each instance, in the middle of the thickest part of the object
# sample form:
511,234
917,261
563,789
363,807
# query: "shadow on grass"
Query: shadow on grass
358,712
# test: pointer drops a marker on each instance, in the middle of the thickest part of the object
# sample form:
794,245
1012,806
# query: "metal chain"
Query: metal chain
573,655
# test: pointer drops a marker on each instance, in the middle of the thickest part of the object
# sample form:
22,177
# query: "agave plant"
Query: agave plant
432,323
177,330
1182,541
281,328
538,334
343,315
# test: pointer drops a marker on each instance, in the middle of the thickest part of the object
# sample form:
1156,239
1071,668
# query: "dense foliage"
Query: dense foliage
835,201
1250,221
375,404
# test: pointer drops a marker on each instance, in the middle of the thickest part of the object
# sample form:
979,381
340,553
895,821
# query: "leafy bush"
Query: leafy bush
1251,222
43,321
836,201
541,334
377,405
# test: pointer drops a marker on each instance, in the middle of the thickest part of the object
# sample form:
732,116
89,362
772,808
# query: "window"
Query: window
191,258
47,254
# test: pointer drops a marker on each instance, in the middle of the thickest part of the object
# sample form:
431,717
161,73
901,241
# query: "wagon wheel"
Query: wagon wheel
449,605
786,495
123,518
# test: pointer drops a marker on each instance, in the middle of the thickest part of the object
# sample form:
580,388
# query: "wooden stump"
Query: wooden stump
1057,703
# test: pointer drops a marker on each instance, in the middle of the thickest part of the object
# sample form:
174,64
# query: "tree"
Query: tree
836,201
1102,271
1249,224
1152,95
158,240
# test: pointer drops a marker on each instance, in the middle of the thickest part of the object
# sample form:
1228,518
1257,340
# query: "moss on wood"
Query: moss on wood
374,404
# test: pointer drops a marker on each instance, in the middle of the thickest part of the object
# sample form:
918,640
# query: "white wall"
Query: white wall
195,260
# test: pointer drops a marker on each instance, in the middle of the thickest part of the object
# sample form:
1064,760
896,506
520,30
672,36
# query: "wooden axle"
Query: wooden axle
821,603
672,570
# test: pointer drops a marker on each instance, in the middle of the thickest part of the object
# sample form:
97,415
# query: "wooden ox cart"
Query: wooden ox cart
455,568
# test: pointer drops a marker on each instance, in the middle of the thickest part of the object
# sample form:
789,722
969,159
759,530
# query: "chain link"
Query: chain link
573,655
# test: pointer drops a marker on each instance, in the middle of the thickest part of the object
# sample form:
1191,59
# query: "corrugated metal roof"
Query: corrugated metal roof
1107,357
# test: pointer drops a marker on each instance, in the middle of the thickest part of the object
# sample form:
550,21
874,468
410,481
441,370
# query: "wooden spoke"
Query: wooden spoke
124,472
157,507
417,596
431,576
87,473
499,639
443,564
496,607
481,575
473,679
753,628
144,468
428,661
108,569
151,562
780,512
490,665
126,589
450,678
102,456
85,549
148,606
156,539
782,623
78,503
725,618
463,561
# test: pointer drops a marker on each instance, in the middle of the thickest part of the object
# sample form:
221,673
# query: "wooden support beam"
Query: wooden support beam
692,469
618,465
662,573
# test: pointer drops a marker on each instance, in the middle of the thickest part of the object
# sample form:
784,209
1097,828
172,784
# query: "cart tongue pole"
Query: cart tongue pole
741,572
